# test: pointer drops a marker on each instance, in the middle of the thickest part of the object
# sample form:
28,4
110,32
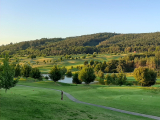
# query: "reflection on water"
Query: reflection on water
65,80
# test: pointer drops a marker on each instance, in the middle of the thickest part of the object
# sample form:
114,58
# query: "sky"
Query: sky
23,20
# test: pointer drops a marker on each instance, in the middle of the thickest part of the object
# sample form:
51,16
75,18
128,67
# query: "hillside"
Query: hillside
100,42
131,42
58,45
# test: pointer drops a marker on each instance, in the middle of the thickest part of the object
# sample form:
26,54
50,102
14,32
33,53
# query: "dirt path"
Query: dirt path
109,108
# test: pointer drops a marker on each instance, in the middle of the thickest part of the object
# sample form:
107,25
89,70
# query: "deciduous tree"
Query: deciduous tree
87,75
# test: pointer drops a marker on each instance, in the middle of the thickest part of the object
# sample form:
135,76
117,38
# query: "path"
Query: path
109,108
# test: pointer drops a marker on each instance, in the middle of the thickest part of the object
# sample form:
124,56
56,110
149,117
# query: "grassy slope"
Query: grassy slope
26,103
137,99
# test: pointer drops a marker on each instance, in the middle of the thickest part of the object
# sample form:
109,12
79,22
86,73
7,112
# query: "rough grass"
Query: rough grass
25,103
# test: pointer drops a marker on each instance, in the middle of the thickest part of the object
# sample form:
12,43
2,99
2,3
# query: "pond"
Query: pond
65,80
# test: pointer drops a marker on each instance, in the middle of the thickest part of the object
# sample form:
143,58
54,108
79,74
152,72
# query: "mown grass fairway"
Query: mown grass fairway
137,99
27,103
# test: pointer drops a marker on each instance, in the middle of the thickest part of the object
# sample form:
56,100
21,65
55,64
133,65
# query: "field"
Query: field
38,103
55,60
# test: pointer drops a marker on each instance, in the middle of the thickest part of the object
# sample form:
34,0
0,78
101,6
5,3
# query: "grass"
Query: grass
25,103
45,67
137,99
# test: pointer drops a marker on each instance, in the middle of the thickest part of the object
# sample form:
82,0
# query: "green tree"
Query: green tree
75,79
55,73
63,70
83,57
33,56
145,76
87,75
7,75
26,70
17,70
69,73
121,79
100,74
114,78
108,79
85,62
91,62
98,67
121,66
36,74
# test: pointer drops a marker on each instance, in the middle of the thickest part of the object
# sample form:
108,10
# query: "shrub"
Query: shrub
145,76
129,83
108,79
121,79
101,80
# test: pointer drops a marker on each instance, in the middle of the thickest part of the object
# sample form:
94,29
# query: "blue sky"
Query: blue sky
23,20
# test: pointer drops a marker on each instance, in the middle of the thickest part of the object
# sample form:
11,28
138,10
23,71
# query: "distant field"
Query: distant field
45,67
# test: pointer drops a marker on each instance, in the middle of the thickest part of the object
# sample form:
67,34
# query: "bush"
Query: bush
108,79
121,79
145,76
129,83
101,80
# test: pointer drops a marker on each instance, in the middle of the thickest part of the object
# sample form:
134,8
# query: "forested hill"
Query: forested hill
100,42
131,42
57,45
13,48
